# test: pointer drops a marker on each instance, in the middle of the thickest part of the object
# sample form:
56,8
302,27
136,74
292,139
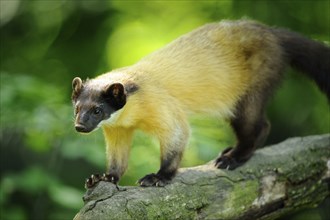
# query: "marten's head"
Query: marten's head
94,103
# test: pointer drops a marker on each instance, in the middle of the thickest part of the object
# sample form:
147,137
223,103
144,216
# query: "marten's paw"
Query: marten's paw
224,162
153,180
91,181
110,178
95,178
227,160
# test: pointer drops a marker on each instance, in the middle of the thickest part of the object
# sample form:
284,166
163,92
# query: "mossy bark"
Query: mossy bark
277,180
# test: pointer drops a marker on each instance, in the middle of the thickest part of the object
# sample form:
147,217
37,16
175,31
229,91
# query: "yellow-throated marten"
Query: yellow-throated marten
227,69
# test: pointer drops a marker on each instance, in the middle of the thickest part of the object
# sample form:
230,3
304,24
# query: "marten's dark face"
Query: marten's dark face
89,112
93,105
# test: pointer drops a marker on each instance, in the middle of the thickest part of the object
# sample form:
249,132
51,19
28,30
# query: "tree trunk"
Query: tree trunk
277,180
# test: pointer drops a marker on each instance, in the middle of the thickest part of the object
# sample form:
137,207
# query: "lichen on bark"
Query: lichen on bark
277,180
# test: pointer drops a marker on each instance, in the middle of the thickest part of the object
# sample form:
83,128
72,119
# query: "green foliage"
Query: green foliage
44,44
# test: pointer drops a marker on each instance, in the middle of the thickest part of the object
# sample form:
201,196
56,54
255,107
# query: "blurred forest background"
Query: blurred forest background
45,43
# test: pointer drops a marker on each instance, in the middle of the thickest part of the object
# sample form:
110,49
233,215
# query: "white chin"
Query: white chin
110,121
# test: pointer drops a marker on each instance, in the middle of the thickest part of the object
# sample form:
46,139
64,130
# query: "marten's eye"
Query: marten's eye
97,111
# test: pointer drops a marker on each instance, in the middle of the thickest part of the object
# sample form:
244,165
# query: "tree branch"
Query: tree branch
278,179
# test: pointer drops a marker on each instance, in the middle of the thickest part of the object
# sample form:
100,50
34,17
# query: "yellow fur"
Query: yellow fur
201,72
227,69
118,142
205,71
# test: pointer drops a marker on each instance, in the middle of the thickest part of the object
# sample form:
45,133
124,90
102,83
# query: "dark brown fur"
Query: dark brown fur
250,123
228,69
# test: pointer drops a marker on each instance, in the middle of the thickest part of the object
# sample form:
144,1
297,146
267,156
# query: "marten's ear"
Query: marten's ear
115,95
77,85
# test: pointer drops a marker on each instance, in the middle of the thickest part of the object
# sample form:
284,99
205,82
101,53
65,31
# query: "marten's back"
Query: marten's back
209,69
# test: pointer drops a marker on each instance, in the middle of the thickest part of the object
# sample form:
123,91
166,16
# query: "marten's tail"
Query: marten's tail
308,56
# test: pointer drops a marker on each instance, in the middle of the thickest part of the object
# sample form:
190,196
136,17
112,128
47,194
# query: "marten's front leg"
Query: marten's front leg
172,147
118,142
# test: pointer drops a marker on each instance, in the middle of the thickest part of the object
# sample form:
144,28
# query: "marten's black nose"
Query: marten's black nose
81,128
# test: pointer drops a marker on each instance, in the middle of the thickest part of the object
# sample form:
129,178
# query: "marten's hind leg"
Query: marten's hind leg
251,128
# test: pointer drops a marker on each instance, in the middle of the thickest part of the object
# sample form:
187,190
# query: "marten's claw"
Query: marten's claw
225,162
110,178
91,181
153,180
95,178
230,159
